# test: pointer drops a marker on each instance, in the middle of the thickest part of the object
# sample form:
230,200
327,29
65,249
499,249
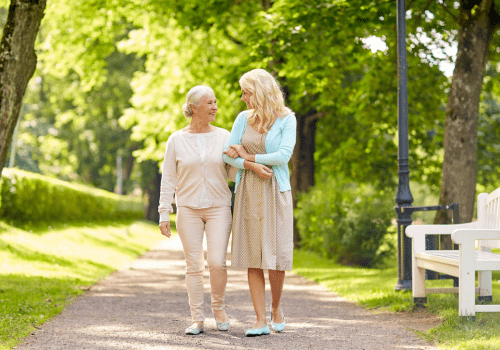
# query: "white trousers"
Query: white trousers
216,224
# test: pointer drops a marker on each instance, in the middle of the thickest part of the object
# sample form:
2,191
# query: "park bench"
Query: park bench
462,263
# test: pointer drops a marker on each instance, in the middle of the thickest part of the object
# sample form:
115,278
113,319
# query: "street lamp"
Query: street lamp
403,196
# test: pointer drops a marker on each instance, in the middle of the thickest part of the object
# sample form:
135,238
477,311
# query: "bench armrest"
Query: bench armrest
469,236
419,230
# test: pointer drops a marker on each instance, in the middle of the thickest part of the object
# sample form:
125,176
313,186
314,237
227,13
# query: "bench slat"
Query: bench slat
441,290
449,257
487,265
444,290
486,256
438,266
487,308
484,261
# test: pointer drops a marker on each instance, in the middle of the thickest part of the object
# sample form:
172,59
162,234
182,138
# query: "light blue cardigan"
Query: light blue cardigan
280,141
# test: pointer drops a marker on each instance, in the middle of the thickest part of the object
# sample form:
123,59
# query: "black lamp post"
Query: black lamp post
403,196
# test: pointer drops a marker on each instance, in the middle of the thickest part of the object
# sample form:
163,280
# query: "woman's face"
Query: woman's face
245,97
207,109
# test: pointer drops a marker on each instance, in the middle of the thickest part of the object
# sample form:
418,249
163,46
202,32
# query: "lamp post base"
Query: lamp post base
403,285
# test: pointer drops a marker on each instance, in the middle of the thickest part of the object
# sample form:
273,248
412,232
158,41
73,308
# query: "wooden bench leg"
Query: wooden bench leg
485,299
467,289
485,287
418,285
419,302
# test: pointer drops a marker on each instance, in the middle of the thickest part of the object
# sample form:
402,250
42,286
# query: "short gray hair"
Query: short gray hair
194,97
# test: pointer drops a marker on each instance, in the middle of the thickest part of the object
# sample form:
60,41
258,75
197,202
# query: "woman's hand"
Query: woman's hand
231,152
235,151
165,228
261,170
242,152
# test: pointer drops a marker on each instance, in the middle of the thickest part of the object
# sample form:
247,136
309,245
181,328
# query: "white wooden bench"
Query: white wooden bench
462,263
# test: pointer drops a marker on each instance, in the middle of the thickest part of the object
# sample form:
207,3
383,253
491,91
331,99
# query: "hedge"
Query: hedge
346,222
29,197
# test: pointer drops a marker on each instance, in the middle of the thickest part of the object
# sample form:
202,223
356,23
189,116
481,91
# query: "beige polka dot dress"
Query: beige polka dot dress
263,217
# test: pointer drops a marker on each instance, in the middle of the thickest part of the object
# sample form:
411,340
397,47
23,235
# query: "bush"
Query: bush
346,222
29,197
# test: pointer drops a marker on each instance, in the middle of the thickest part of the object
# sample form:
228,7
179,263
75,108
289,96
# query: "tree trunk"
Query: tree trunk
302,161
17,64
129,166
476,25
154,195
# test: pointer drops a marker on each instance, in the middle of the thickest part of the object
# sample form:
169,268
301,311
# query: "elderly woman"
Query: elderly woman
193,169
261,144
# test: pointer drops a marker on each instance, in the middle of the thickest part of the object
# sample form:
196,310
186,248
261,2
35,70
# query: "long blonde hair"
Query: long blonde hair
267,98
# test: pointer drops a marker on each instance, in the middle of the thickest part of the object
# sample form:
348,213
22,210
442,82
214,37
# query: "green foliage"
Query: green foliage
423,196
69,122
79,36
177,59
347,222
316,49
73,133
44,269
109,66
28,198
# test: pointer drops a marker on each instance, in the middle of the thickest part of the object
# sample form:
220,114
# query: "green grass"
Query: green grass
44,268
374,288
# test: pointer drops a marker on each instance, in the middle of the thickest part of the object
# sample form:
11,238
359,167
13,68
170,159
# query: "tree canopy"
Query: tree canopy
112,77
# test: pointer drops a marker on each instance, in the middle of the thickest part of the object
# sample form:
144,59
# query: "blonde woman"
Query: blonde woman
261,144
193,169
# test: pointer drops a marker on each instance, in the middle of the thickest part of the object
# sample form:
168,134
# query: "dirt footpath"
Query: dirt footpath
145,306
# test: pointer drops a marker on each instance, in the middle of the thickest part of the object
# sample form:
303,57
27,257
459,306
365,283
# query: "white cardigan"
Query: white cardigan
184,172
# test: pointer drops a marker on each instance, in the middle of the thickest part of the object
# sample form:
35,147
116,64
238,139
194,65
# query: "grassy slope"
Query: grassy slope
374,288
43,269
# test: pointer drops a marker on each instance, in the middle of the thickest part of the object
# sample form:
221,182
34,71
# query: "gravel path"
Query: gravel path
145,306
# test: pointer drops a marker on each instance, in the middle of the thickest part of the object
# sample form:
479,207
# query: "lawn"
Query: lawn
44,268
374,288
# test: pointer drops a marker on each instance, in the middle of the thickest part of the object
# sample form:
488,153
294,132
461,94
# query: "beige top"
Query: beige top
201,140
185,173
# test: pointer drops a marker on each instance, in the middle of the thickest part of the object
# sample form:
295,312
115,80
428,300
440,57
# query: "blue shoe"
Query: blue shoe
222,326
257,332
277,327
194,331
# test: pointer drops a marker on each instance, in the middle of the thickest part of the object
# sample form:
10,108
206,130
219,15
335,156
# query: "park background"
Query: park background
110,80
